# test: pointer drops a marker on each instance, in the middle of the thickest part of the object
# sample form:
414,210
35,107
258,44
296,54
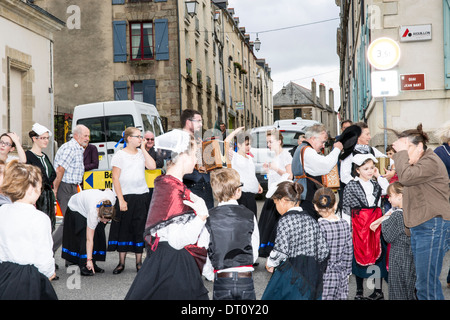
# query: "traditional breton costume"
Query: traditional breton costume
232,250
339,239
245,166
82,212
46,202
402,271
308,167
26,255
361,202
300,258
172,269
269,214
126,232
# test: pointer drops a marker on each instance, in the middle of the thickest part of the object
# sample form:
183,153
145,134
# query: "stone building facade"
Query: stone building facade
26,73
153,51
426,55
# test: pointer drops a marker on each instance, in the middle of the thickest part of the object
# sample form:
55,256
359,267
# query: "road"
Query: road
106,286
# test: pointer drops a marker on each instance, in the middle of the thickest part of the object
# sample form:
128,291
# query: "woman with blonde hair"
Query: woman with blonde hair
133,198
26,255
278,170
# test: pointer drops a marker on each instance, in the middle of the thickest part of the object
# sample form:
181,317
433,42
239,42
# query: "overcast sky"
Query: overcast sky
295,54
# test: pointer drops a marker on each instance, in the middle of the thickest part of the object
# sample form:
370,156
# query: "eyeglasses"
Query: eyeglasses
150,139
43,138
196,120
240,186
3,143
139,137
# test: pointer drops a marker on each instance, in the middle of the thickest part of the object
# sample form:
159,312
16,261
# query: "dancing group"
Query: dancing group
310,249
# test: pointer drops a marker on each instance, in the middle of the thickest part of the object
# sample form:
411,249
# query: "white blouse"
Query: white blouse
85,203
132,172
368,189
246,169
26,237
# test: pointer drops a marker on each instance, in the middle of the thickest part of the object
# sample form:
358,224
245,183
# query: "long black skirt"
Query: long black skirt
267,226
168,274
24,282
74,239
127,229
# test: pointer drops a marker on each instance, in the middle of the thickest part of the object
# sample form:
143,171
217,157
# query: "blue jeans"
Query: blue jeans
429,242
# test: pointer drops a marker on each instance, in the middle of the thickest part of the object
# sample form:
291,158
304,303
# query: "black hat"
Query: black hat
348,138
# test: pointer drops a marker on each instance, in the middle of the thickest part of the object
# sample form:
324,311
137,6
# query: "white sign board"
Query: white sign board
384,83
383,53
415,33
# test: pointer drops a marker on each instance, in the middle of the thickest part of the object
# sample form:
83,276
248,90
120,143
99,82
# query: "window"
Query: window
137,91
115,125
141,41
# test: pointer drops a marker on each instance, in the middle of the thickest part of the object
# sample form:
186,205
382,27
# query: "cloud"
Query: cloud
299,52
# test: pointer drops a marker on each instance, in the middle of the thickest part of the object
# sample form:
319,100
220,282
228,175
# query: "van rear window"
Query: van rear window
107,128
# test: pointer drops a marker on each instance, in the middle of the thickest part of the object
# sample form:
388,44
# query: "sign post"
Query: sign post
384,54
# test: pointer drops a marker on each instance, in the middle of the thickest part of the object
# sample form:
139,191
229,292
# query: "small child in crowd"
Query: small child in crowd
362,202
337,233
402,272
300,254
233,240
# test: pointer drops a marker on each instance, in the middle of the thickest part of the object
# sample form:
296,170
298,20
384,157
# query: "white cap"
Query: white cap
40,129
359,158
177,141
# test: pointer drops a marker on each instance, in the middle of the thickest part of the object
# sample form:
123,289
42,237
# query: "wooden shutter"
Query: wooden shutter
161,39
120,41
120,90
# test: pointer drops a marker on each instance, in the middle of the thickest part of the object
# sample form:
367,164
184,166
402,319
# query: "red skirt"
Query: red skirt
366,243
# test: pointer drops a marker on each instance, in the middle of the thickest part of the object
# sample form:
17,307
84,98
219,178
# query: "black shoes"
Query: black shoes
120,267
86,272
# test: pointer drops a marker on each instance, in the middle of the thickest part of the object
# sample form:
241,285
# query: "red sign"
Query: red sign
412,82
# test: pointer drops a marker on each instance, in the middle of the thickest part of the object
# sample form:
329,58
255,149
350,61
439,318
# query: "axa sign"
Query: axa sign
415,33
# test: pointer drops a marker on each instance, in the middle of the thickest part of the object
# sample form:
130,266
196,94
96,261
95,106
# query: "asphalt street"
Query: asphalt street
107,286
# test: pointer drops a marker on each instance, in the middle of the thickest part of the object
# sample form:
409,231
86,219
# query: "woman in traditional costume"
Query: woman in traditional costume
362,199
173,267
40,136
84,239
299,257
26,255
278,170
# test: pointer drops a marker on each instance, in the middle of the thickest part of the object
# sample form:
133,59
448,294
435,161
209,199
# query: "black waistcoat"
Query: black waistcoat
230,228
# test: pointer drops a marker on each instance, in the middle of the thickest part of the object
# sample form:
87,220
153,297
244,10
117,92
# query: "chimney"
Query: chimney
322,98
313,91
331,98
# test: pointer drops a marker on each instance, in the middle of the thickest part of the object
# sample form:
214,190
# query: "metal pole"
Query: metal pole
385,124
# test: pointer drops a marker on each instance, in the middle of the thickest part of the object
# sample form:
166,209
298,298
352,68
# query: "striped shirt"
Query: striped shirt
70,157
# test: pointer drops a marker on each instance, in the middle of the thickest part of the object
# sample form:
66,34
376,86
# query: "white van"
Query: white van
296,124
107,120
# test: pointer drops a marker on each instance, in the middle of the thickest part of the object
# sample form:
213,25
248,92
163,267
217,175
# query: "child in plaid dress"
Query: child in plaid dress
338,236
402,271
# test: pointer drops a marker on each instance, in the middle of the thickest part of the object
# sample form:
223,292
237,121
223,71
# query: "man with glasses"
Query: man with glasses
158,156
309,165
199,180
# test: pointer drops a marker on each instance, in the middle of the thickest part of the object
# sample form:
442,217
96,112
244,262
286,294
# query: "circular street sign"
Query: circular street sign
383,53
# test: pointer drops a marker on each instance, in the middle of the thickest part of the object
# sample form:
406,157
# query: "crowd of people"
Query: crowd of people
391,226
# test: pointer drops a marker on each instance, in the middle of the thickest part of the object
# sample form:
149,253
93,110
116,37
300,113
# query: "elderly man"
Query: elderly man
69,166
158,156
308,165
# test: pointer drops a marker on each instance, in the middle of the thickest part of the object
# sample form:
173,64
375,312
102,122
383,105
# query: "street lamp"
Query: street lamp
257,43
191,7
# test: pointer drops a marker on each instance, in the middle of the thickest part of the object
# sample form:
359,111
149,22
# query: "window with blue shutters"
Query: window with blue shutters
162,39
149,89
120,41
446,6
120,90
